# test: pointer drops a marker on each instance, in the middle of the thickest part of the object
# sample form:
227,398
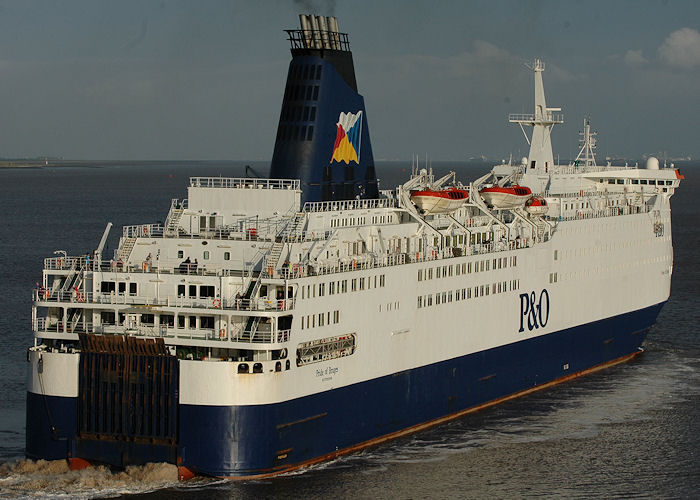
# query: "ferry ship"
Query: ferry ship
273,323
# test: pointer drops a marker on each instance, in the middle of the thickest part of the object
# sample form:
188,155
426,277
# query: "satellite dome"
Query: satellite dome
523,160
652,163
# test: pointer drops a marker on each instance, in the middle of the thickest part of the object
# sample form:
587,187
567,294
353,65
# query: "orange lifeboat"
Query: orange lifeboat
431,201
513,196
536,205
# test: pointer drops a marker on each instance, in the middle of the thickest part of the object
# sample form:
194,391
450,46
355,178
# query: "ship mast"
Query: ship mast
586,156
542,121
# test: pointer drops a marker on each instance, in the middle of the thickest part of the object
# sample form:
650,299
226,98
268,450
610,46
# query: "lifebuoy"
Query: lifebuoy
222,333
217,303
59,262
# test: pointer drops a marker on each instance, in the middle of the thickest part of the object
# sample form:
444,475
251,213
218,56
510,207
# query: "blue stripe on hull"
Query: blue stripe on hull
249,440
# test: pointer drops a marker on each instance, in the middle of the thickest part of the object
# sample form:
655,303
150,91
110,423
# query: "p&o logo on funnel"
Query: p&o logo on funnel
347,138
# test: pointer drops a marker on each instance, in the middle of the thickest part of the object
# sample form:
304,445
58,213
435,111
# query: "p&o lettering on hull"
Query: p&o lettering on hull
534,310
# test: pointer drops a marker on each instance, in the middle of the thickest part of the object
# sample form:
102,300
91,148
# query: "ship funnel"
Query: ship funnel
323,133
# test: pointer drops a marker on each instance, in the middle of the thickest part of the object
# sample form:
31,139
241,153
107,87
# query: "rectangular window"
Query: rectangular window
167,320
315,97
353,285
336,316
420,301
206,322
345,286
132,288
107,286
321,289
438,272
227,255
192,322
420,275
193,290
312,115
381,280
320,319
362,283
180,254
181,322
180,290
206,291
437,299
310,133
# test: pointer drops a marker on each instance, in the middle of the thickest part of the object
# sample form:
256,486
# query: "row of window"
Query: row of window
341,286
305,72
205,255
295,133
183,321
299,114
599,249
616,268
467,268
120,287
643,182
361,221
205,291
467,293
301,93
320,319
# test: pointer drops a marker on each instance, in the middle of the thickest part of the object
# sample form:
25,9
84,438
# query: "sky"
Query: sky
182,80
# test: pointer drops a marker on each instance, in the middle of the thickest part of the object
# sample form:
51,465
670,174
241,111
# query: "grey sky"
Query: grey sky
204,79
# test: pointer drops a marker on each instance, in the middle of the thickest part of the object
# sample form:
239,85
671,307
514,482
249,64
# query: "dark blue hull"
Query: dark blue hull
253,440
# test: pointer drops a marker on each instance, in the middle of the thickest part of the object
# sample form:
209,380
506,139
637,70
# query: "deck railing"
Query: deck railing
212,304
244,183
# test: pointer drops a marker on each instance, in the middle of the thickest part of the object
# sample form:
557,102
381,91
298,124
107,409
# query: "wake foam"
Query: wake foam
41,478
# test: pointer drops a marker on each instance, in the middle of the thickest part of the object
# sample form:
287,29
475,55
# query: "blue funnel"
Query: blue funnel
323,133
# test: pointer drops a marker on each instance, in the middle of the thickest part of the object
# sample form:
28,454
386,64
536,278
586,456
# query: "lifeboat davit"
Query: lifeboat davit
441,201
536,205
506,197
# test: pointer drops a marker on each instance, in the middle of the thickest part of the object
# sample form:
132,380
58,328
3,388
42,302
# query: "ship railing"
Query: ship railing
67,262
143,231
547,117
53,325
244,183
41,294
613,211
328,206
177,204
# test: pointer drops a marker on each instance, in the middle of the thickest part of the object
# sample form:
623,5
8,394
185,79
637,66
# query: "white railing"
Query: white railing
328,206
43,325
143,231
212,304
244,183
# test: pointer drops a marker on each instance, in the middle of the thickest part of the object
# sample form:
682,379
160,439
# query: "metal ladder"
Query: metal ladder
126,248
172,224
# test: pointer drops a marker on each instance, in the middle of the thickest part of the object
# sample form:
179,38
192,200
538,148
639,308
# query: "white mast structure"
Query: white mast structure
540,159
586,156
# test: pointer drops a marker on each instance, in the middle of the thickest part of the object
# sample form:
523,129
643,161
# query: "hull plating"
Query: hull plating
240,441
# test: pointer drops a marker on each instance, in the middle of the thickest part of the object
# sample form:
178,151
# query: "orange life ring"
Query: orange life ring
222,333
217,303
